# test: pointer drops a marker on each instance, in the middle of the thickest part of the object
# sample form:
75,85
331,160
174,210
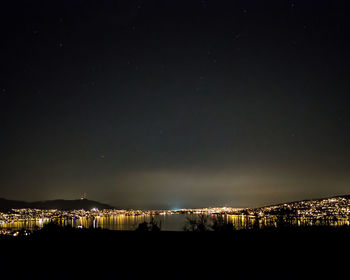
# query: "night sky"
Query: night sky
172,104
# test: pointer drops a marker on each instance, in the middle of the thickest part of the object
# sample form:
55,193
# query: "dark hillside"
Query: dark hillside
61,204
103,254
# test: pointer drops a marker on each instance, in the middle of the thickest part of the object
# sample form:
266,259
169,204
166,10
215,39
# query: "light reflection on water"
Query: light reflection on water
114,222
168,222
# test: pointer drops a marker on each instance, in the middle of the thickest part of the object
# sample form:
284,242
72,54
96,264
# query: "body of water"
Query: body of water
113,222
174,222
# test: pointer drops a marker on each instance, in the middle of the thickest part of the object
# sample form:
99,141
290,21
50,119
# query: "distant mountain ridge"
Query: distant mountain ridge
61,204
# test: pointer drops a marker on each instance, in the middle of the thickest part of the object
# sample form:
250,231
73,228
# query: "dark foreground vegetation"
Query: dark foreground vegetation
284,253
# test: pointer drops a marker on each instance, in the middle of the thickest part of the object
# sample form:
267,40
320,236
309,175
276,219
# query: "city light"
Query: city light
330,211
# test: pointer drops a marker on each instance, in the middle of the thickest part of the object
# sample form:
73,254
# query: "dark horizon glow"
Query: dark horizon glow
163,104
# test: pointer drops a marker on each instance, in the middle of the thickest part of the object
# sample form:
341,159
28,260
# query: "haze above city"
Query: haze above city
174,104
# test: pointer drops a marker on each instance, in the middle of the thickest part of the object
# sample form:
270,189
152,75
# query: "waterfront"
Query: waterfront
168,222
332,212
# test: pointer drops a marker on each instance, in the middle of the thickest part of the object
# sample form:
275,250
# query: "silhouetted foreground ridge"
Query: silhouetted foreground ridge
69,253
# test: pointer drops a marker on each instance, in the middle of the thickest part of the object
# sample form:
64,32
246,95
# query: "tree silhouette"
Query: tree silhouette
197,224
152,226
220,224
256,224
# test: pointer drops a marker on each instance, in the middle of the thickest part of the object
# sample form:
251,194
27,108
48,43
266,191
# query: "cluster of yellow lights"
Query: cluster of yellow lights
337,209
